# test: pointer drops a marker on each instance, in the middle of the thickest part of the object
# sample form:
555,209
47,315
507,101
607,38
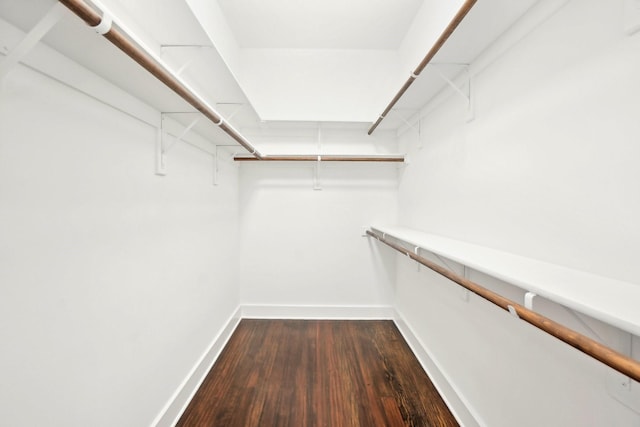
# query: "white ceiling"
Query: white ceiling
327,24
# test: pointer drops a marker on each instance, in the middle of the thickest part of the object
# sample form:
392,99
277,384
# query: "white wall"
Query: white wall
546,170
551,149
301,246
113,281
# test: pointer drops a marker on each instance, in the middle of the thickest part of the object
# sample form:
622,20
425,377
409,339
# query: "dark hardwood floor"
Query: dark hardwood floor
317,373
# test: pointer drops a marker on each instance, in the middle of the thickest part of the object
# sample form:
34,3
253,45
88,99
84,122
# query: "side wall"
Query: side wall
113,281
546,170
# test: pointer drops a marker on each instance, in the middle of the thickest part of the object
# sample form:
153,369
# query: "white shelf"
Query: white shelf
612,301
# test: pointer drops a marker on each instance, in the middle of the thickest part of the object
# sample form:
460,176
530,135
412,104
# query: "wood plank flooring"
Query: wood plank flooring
317,373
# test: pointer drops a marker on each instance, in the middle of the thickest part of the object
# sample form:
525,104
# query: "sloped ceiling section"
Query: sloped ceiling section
331,61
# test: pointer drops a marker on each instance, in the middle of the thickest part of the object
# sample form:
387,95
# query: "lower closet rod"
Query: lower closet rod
621,363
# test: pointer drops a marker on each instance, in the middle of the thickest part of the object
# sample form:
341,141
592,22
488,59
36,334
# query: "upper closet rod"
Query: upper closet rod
120,40
462,12
621,363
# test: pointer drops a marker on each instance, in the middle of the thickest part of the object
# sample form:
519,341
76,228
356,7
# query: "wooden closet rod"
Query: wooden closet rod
323,158
462,12
621,363
120,40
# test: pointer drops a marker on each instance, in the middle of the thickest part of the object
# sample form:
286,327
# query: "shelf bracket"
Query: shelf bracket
417,126
578,317
161,166
216,168
182,135
621,387
467,94
162,147
239,106
216,161
32,38
416,250
403,118
466,293
446,264
190,61
317,186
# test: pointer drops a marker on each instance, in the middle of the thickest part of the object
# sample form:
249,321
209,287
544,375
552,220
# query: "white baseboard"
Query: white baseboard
250,311
176,405
461,410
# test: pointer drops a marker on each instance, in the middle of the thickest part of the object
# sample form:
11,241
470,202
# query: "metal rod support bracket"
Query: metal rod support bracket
161,165
317,186
182,135
404,120
163,147
528,300
467,94
216,163
190,61
513,311
32,38
216,167
417,126
444,262
105,25
239,106
466,294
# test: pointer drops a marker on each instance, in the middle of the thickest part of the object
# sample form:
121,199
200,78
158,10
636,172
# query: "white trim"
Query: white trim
256,311
176,405
458,405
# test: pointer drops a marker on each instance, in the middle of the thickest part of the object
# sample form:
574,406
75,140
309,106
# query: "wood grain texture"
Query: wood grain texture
317,373
323,158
